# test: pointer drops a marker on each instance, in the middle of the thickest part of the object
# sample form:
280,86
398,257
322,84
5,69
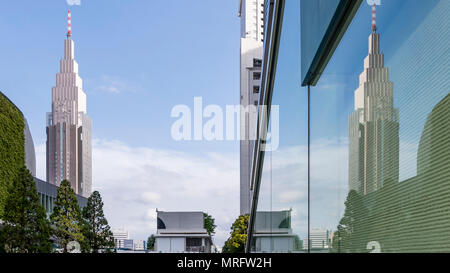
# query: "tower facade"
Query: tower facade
251,13
69,128
374,125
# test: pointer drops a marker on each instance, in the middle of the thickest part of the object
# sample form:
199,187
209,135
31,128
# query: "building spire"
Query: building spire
374,18
69,25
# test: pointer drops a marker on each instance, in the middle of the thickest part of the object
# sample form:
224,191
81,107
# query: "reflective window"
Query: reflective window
380,142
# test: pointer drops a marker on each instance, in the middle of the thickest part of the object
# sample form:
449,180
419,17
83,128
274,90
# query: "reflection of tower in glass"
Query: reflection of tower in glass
68,127
373,126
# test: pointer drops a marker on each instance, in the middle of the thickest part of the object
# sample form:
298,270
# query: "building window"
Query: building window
160,224
256,75
193,242
255,89
257,62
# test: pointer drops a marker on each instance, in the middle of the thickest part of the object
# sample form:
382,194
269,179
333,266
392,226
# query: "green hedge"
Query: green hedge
12,145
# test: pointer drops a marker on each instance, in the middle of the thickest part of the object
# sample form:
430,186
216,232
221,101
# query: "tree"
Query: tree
236,242
66,218
151,242
208,223
25,227
350,231
96,231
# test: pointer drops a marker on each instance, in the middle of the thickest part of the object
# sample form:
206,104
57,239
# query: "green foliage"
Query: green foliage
97,233
236,242
151,242
25,228
208,223
350,231
66,218
12,146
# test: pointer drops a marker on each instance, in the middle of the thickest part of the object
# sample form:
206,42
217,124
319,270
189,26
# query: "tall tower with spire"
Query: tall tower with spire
69,154
374,124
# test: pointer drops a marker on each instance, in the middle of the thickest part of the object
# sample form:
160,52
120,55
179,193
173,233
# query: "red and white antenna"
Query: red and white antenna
374,18
69,24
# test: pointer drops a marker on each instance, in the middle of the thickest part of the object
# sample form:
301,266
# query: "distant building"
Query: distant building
320,239
69,155
181,232
128,244
373,126
120,235
139,245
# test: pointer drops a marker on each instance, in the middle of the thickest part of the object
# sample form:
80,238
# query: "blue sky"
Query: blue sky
137,59
150,55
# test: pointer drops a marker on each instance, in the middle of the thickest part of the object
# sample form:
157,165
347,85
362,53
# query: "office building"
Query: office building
320,239
374,125
69,154
120,235
251,13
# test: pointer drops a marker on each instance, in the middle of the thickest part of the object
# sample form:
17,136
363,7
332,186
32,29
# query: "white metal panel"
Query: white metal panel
177,245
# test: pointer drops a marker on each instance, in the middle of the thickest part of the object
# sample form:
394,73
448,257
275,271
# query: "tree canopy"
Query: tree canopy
238,236
66,218
25,228
208,223
97,233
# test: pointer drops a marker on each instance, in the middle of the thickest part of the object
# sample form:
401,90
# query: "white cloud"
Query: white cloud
371,2
73,2
134,181
115,85
151,197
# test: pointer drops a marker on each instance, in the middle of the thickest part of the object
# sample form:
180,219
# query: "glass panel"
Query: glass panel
315,19
282,209
380,153
380,142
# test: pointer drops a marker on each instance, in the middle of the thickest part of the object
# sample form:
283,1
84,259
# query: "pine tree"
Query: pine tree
25,227
151,242
208,223
96,230
66,218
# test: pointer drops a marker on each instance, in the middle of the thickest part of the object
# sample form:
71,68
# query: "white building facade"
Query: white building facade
69,129
182,232
251,13
320,239
120,235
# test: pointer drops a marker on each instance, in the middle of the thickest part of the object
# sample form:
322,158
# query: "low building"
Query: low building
47,195
182,232
273,233
139,245
128,244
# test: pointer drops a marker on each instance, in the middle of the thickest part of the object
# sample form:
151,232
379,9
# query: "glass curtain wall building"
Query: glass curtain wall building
362,161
